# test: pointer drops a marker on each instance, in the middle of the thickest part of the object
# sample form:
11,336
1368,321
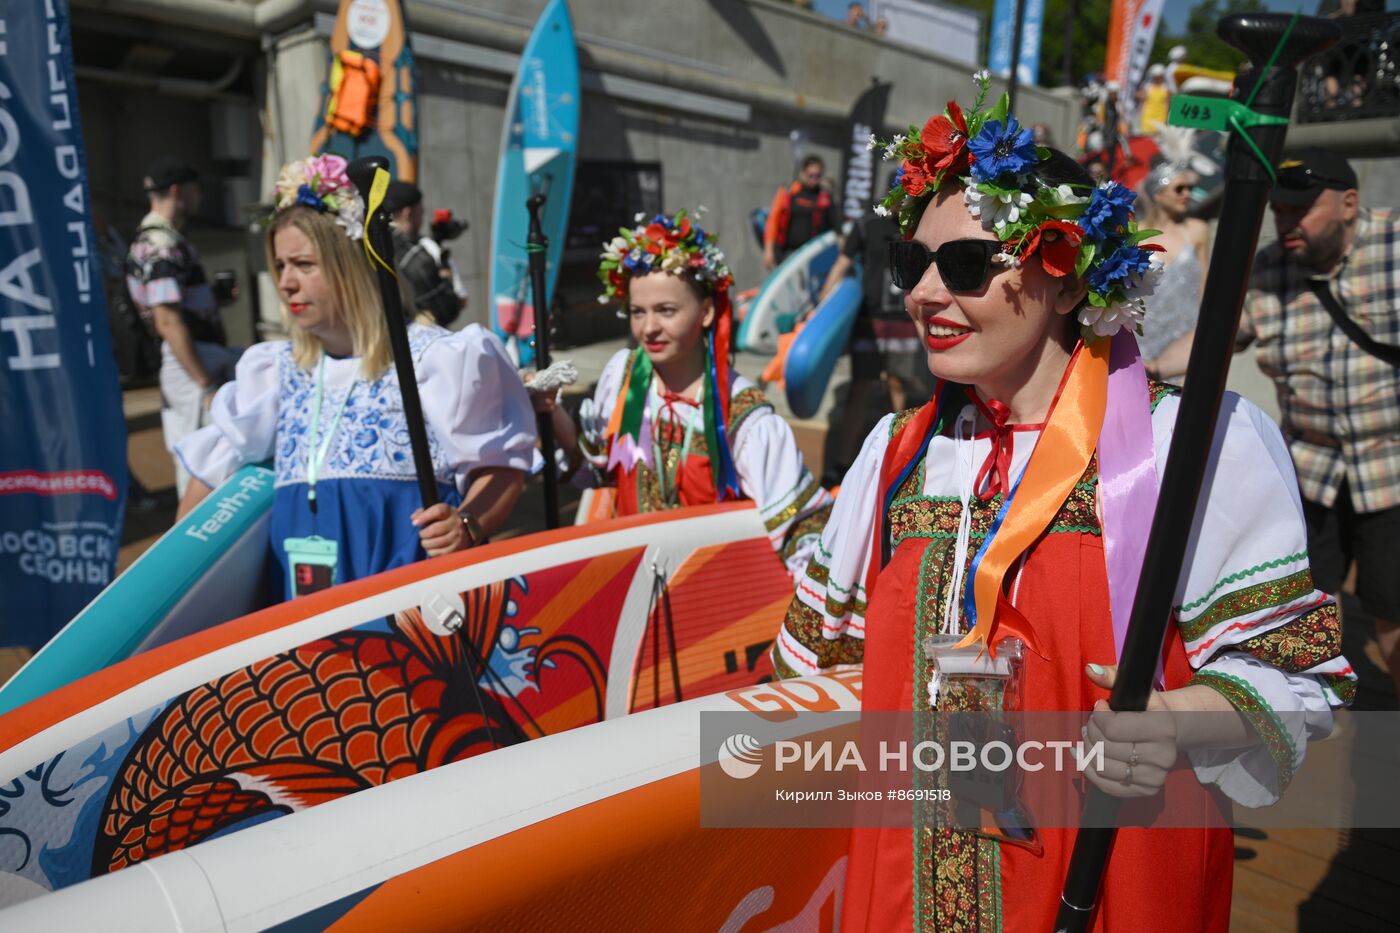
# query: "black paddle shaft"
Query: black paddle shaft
377,232
1248,181
536,246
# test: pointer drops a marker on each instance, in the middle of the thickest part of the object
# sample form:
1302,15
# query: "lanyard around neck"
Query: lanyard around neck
316,456
685,446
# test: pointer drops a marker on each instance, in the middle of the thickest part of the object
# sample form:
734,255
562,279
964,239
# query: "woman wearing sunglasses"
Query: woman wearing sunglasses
1165,196
671,424
1005,510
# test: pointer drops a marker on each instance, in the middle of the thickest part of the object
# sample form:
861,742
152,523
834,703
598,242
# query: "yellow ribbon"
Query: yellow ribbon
1059,460
377,189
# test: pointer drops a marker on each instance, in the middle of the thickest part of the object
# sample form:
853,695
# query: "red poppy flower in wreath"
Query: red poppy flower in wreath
1058,242
913,179
683,228
945,141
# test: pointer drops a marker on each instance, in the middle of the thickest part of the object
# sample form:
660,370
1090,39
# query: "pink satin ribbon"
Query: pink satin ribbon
1127,480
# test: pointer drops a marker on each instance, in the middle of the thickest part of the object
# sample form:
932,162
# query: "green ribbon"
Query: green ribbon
635,405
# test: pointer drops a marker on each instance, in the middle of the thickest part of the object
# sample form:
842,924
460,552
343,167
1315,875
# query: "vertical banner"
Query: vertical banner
1143,33
1002,34
1120,20
62,433
858,165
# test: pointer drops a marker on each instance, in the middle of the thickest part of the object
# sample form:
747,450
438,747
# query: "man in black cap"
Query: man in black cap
429,281
1324,309
168,285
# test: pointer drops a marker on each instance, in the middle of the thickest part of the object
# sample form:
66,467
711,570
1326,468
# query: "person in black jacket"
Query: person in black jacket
429,282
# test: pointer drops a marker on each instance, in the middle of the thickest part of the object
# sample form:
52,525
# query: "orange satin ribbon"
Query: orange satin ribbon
615,422
1059,460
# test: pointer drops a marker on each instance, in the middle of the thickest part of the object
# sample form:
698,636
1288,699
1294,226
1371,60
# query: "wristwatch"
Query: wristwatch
475,533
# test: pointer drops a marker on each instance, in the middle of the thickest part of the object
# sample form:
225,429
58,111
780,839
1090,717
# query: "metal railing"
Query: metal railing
1359,77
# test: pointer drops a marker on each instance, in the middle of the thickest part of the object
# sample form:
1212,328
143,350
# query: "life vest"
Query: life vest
792,200
354,88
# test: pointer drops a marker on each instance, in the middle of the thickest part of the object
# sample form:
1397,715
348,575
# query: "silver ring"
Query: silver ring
1133,757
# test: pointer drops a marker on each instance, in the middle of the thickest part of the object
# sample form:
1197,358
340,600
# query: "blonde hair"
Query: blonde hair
351,283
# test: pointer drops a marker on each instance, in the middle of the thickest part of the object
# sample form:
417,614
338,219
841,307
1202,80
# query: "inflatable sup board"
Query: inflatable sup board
538,147
595,829
818,346
206,569
347,689
378,31
790,290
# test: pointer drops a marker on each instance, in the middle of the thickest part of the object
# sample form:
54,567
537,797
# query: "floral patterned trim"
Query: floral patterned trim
781,518
937,517
1156,391
805,625
1256,598
1301,644
743,404
1237,577
1243,697
1343,686
781,669
813,524
836,605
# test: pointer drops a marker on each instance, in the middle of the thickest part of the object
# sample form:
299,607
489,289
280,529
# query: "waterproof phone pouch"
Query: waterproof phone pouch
311,564
969,691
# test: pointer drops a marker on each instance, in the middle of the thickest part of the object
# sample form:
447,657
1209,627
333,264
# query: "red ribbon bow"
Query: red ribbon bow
996,470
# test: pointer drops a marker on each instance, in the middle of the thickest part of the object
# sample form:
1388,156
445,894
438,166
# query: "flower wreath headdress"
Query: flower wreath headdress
1086,231
675,245
321,183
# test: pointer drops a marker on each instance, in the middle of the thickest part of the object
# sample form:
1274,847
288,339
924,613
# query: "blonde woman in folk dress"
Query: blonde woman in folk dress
671,424
326,408
1026,282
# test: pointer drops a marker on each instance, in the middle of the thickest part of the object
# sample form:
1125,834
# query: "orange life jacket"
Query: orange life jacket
354,93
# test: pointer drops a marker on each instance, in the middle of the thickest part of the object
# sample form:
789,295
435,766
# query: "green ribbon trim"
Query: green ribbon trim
711,407
634,406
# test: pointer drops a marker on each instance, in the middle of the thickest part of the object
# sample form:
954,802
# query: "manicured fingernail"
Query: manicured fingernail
1095,669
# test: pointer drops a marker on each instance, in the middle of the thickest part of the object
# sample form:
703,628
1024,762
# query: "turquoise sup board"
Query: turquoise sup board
205,570
789,291
538,150
818,346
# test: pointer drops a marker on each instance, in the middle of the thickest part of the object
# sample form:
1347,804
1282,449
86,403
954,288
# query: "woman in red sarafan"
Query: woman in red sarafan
1007,504
671,424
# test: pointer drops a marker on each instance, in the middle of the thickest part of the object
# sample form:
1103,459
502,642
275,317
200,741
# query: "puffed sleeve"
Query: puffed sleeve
825,624
773,473
475,403
1255,627
242,419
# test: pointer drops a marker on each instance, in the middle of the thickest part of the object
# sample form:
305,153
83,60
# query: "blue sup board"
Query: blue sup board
787,293
818,346
377,29
539,144
205,570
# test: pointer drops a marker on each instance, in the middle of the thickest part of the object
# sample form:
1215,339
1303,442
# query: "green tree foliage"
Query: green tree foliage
1206,48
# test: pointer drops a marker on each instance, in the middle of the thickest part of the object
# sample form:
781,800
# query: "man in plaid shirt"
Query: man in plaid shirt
1340,400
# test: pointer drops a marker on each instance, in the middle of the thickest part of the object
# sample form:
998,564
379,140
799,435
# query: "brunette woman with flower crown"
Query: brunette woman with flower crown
1013,504
671,424
326,407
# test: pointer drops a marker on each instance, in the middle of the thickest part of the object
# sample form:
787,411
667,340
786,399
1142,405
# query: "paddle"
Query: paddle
1276,44
536,247
368,174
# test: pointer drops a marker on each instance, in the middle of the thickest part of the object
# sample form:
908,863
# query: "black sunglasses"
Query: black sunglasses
964,265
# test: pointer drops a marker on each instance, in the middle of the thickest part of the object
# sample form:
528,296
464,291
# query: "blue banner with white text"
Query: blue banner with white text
62,434
1003,30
